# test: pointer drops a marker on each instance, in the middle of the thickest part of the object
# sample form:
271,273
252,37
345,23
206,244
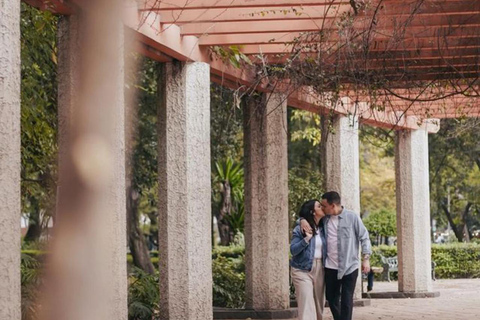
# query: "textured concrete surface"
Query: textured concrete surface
266,203
413,211
118,218
68,82
343,163
342,168
10,160
184,195
459,300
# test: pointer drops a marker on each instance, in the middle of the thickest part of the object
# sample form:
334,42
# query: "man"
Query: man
344,231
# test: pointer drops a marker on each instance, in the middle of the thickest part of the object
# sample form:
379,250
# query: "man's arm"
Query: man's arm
304,225
364,239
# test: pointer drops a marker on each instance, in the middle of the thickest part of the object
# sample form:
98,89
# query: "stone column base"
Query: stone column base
231,314
401,295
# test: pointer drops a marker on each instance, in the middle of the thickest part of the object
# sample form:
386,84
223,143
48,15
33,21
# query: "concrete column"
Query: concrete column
91,111
10,160
342,165
184,192
342,168
413,211
266,203
68,81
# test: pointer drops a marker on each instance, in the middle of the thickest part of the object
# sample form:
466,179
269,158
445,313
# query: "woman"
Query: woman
308,253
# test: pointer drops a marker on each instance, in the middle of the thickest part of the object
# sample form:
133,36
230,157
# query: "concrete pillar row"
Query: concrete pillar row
266,203
342,167
413,211
185,259
10,160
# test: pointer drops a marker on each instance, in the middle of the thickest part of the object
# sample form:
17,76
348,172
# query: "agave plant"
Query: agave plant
228,198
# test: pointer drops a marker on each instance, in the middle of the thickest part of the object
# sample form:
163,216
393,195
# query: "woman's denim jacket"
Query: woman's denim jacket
303,252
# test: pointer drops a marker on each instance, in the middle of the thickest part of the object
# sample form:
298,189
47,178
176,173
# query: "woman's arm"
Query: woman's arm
298,243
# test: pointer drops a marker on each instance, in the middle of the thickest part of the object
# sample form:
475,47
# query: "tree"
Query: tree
377,170
381,223
226,125
455,176
142,155
38,117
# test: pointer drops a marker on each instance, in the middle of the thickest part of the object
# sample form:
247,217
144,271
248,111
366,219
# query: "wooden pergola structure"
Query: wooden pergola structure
408,42
437,40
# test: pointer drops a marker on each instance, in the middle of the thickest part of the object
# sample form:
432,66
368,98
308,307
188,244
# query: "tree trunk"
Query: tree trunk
458,233
34,227
136,240
153,228
221,215
466,231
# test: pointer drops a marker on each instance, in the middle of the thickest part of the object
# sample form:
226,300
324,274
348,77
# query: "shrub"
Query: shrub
228,252
457,260
228,282
30,269
453,261
143,295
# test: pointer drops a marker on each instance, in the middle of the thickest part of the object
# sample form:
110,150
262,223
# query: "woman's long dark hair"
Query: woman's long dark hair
307,212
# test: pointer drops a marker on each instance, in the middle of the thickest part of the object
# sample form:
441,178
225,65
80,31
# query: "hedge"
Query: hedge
453,261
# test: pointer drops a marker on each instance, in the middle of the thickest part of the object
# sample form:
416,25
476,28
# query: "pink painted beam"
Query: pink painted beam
162,5
306,99
226,4
427,9
384,25
385,36
253,14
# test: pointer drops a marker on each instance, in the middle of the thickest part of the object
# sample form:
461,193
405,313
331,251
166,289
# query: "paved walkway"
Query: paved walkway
459,300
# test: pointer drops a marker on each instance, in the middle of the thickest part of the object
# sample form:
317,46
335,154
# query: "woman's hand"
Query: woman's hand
305,226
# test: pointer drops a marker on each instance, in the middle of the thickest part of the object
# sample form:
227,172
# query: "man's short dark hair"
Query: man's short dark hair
332,197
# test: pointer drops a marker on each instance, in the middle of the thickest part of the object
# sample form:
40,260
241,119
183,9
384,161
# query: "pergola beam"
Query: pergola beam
230,4
412,45
183,5
307,12
431,33
445,46
328,25
305,99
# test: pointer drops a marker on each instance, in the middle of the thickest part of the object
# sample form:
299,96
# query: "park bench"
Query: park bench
391,265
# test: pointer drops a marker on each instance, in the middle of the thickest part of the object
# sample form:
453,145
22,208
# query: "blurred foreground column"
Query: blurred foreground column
185,257
413,211
87,275
10,160
266,207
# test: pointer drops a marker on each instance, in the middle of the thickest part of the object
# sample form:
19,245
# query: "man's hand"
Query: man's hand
366,266
308,236
305,226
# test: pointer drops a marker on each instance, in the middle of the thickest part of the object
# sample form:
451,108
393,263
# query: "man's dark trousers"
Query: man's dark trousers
345,288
